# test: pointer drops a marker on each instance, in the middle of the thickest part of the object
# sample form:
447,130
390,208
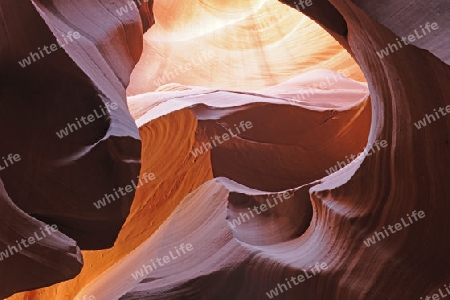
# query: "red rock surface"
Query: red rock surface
266,56
57,180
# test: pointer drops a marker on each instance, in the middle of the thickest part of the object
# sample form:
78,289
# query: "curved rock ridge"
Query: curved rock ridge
27,244
215,253
416,257
258,218
348,210
374,226
64,114
174,179
160,112
247,46
430,31
190,115
145,11
285,221
284,125
325,14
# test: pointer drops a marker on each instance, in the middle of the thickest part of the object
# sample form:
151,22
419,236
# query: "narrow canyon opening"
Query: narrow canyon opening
246,122
310,102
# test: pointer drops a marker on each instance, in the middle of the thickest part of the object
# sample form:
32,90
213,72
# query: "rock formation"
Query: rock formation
56,178
269,158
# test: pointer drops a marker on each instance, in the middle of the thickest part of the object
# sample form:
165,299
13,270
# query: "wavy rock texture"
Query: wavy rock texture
204,211
42,260
325,219
391,16
247,45
57,180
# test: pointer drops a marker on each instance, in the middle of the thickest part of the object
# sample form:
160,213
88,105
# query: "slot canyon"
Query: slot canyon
211,149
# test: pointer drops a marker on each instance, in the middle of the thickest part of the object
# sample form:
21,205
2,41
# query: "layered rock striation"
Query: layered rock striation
242,114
